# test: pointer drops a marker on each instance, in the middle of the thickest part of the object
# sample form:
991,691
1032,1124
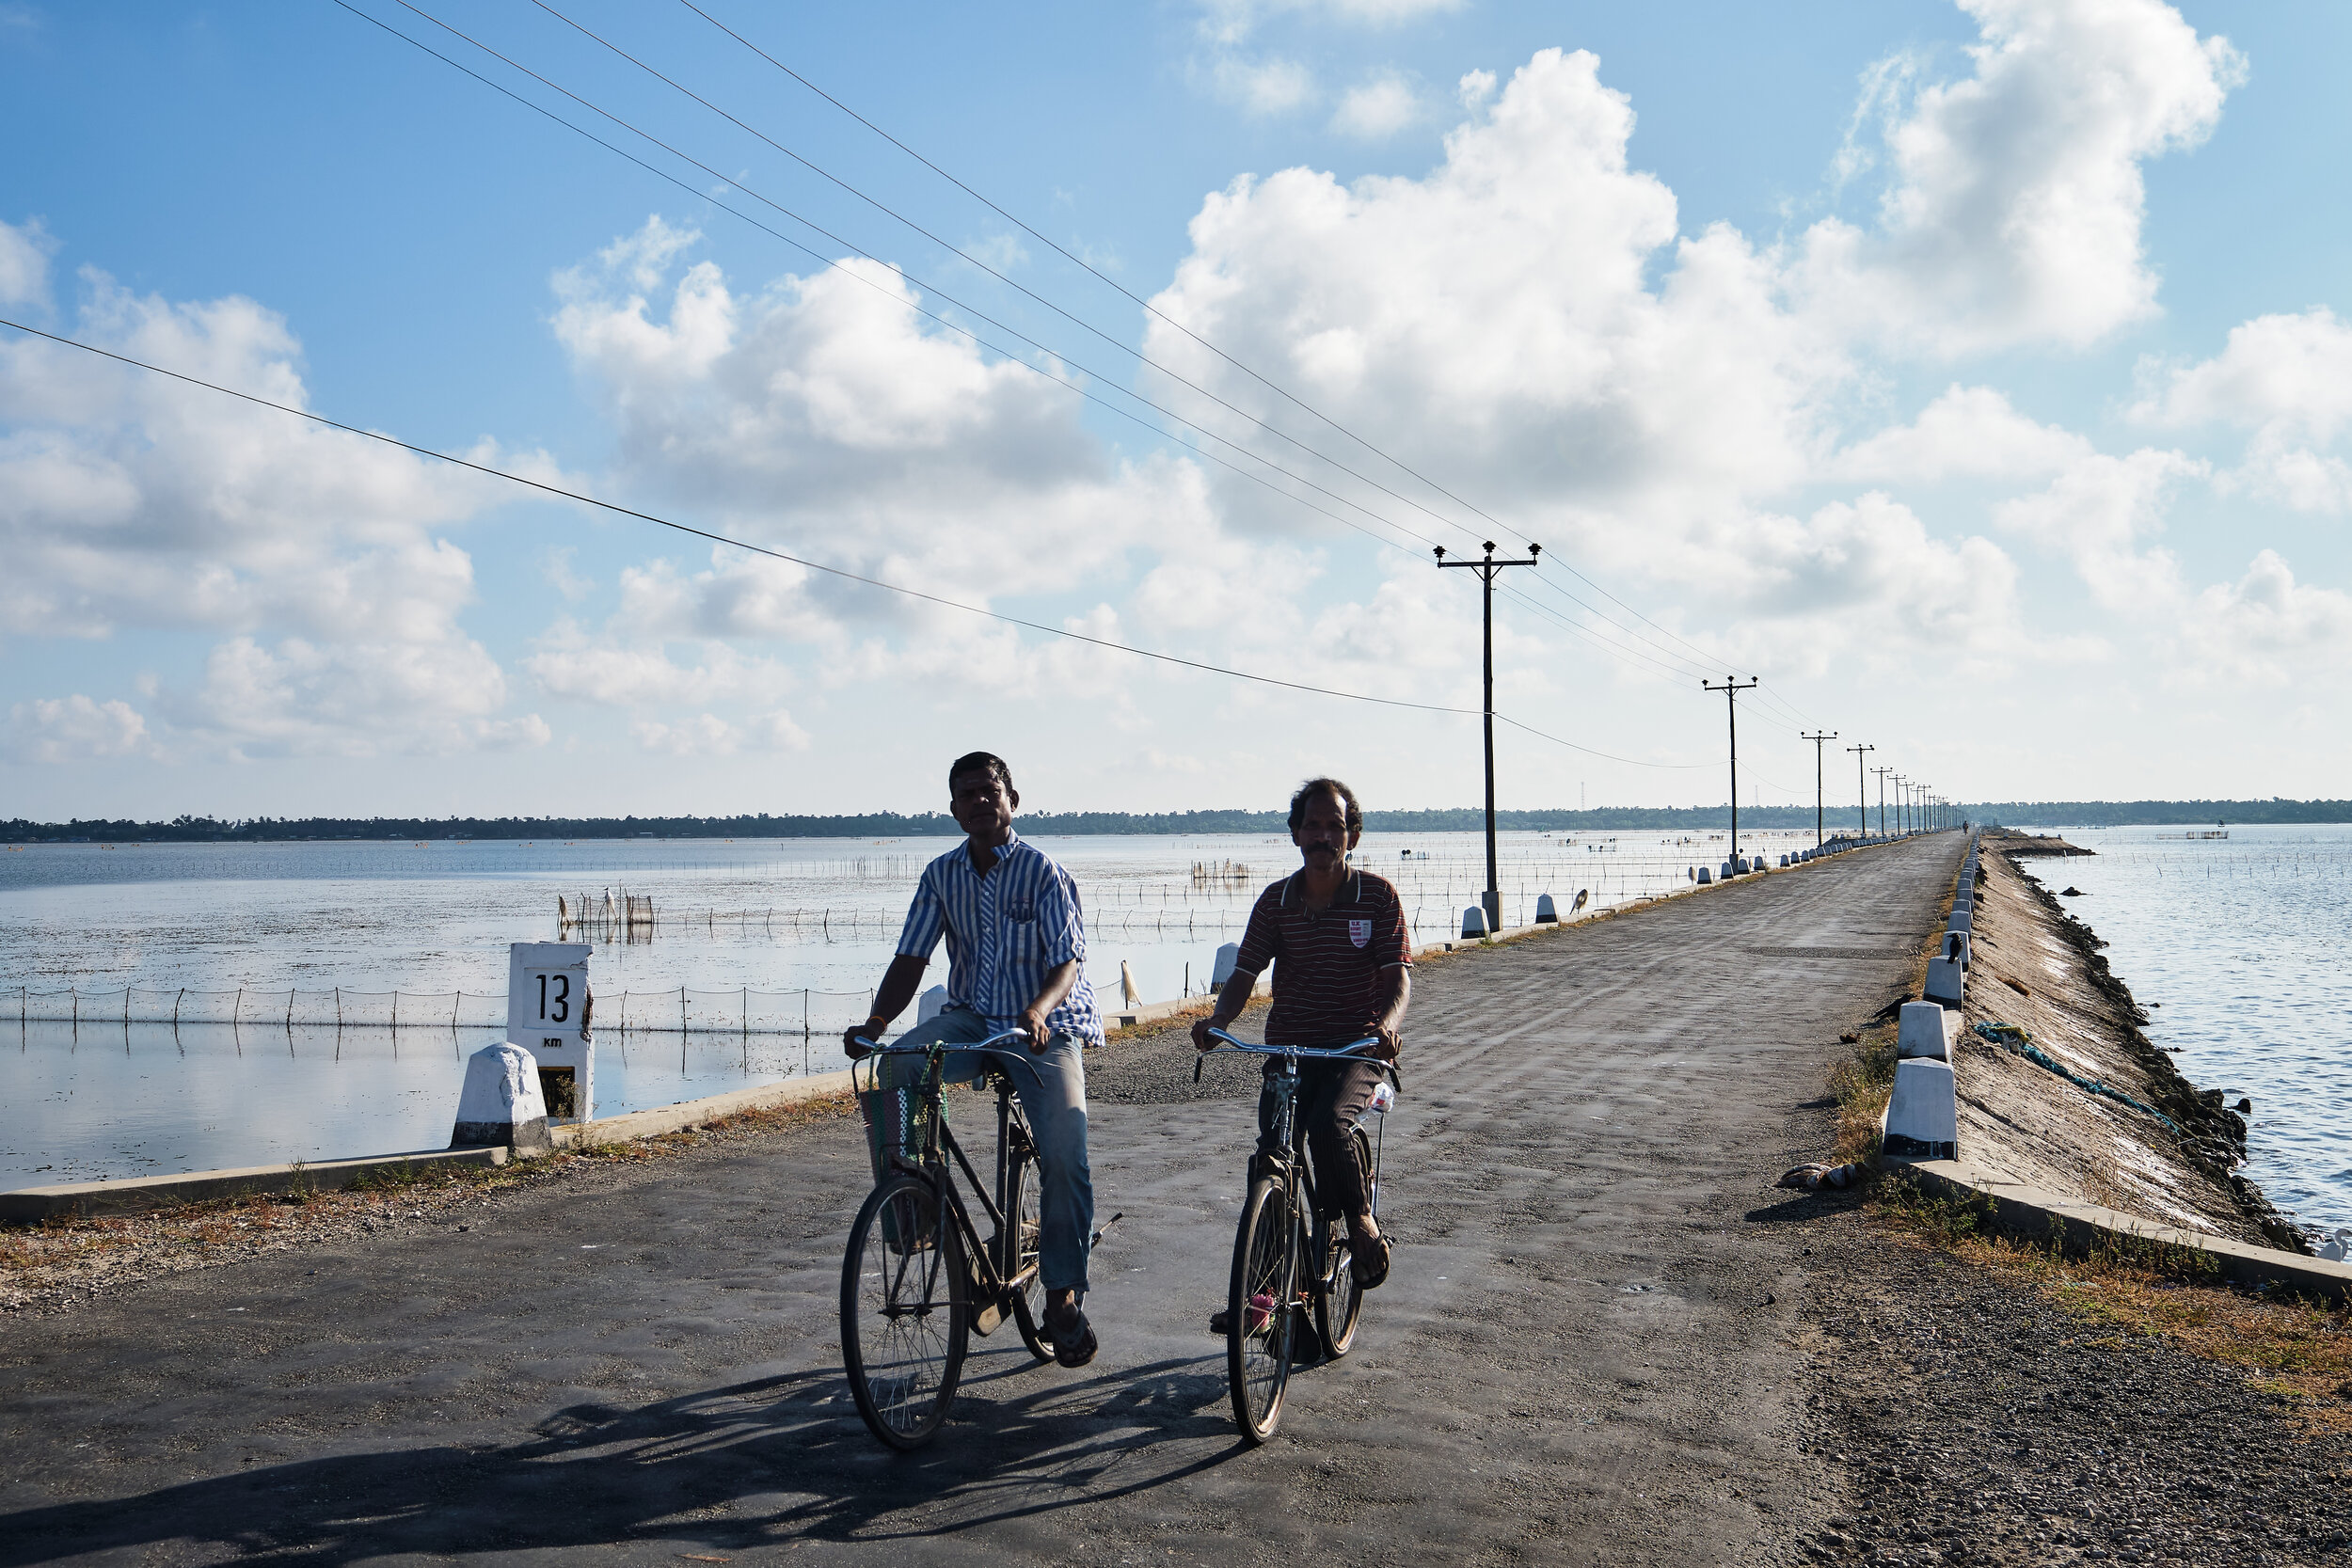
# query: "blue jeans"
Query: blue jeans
1053,1097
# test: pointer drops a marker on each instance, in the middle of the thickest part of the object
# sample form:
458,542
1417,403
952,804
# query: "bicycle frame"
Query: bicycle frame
991,1261
1286,1081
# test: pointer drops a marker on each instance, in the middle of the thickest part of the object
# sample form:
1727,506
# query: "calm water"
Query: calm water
2236,947
765,938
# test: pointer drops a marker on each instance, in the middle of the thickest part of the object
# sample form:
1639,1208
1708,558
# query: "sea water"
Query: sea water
2235,947
190,1007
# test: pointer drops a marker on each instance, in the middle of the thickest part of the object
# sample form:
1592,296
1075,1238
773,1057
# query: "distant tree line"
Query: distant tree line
2046,814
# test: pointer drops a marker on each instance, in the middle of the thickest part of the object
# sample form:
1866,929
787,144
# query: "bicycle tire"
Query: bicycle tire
1023,1221
1260,1301
1340,1310
905,1311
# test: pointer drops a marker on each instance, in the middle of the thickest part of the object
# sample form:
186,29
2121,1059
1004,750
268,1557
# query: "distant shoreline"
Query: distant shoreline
2040,815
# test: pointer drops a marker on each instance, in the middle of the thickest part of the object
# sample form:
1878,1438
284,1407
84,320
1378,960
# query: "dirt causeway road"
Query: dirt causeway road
1592,1349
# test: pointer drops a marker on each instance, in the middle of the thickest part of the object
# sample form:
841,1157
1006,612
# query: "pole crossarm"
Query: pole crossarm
1732,685
1486,569
1818,739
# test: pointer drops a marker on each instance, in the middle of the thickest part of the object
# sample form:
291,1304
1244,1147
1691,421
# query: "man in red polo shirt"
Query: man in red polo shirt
1342,969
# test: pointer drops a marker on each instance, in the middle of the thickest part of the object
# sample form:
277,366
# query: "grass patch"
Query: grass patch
1862,1083
2125,1291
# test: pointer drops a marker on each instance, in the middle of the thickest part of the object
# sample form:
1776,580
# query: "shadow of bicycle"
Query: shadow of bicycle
733,1469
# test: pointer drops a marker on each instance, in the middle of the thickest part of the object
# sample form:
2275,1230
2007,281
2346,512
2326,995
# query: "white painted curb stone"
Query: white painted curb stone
1923,1114
500,1104
1926,1030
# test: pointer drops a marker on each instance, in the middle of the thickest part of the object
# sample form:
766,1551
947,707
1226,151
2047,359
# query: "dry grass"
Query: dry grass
2121,1288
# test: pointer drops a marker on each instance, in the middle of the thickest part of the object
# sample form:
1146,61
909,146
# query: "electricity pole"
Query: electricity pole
1902,804
1862,795
1731,689
1882,773
1817,739
1486,570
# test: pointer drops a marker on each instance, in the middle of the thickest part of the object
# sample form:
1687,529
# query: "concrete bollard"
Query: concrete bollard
1926,1030
1725,874
931,1004
1962,920
1703,876
1545,914
1946,982
1474,922
1923,1114
1956,948
1228,959
500,1104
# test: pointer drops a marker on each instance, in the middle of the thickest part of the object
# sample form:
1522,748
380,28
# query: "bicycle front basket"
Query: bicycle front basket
898,1122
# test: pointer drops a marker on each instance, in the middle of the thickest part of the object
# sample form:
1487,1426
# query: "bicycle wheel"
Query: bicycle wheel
1028,1303
1259,1302
1339,1310
904,1314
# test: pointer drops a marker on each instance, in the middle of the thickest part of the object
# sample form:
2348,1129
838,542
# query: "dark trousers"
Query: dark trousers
1332,1099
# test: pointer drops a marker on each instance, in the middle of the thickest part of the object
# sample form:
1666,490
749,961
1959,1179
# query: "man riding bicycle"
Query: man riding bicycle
1345,972
1016,958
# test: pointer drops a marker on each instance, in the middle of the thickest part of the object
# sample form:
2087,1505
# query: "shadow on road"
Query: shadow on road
736,1467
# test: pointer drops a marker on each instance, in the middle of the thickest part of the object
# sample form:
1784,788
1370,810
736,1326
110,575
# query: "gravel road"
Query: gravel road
1608,1339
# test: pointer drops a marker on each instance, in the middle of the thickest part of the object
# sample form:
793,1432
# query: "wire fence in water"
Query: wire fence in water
681,1011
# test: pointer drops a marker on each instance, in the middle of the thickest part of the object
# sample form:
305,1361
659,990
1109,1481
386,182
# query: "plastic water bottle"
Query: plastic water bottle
1383,1097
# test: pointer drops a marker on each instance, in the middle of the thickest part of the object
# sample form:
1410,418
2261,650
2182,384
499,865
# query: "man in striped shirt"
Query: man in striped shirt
1016,958
1342,971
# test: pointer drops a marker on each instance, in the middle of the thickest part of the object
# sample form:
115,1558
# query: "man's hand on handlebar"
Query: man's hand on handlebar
1392,1042
871,1029
1201,1027
1033,1025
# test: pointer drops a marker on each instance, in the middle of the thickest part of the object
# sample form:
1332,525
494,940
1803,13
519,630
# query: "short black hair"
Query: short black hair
974,762
1332,786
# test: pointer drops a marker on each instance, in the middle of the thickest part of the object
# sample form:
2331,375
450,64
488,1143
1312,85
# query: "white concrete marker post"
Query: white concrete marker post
501,1104
547,1014
1547,913
931,1004
1926,1030
1228,959
1923,1114
1474,922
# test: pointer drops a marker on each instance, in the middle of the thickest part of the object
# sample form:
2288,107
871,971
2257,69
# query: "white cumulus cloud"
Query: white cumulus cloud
73,729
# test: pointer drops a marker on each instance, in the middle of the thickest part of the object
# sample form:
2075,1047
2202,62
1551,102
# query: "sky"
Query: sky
1977,379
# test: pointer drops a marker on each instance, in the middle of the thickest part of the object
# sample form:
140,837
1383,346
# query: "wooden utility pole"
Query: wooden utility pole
1861,795
1731,687
1486,570
1817,739
1882,773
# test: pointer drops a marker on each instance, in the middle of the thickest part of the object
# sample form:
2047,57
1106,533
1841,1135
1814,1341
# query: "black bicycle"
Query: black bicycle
917,1279
1290,1256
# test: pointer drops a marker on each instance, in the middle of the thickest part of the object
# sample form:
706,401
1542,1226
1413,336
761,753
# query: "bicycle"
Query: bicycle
916,1264
1288,1254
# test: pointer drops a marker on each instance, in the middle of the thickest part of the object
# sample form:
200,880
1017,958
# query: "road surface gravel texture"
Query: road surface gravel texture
1608,1339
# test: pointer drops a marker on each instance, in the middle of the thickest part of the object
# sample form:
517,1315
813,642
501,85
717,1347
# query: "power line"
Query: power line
1604,644
1691,666
813,565
1704,658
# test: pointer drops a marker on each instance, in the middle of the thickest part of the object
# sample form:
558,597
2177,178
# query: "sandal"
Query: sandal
1073,1337
1370,1266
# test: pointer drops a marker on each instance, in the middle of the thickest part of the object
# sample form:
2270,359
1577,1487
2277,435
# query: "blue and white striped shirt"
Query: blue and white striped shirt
1006,932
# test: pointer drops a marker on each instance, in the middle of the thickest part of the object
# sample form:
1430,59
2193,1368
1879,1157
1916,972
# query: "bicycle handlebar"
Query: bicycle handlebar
989,1047
1351,1052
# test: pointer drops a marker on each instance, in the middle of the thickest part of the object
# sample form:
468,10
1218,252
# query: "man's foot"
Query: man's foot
1073,1338
1368,1259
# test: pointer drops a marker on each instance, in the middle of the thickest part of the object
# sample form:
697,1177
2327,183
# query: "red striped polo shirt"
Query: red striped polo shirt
1326,966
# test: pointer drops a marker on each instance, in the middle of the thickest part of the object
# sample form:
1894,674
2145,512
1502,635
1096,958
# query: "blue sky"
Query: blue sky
1971,375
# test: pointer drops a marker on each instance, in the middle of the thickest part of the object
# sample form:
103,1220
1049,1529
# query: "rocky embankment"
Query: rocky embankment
2071,1096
